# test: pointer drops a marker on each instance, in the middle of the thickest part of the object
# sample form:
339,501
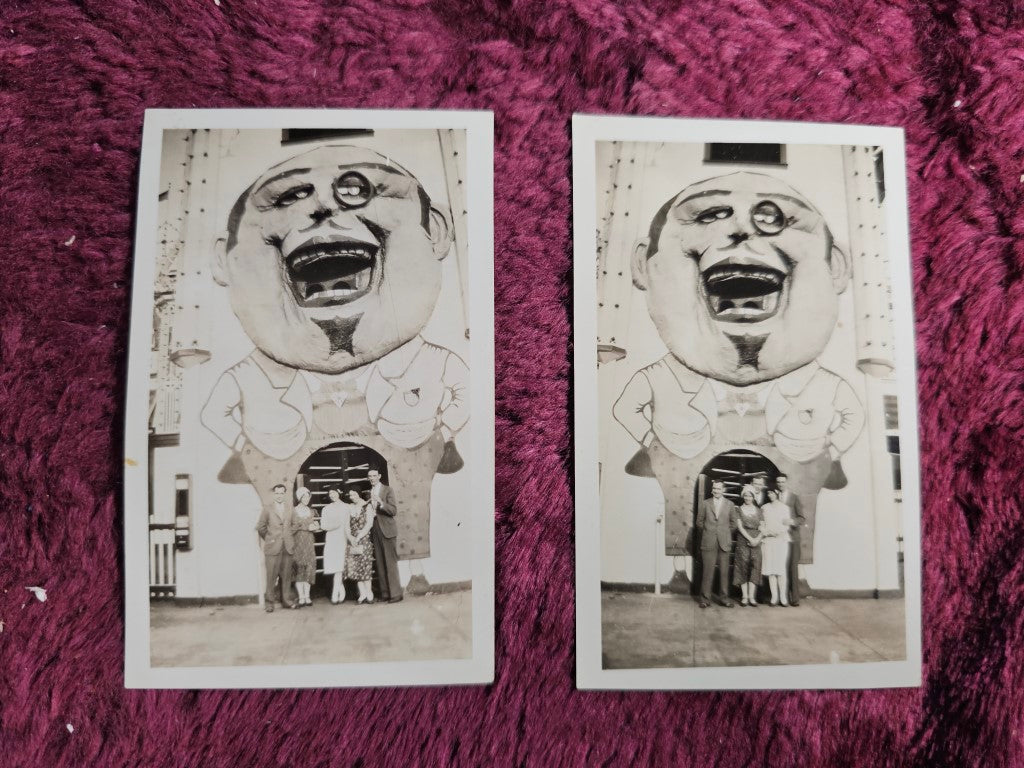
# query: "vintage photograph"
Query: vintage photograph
750,408
315,300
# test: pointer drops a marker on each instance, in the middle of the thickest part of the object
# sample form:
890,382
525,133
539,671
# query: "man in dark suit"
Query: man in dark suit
716,522
760,483
383,535
792,501
275,530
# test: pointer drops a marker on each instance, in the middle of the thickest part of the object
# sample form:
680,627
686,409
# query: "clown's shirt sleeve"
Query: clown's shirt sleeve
633,408
454,405
847,421
218,415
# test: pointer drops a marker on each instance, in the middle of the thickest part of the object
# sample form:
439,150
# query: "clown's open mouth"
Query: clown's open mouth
742,293
326,272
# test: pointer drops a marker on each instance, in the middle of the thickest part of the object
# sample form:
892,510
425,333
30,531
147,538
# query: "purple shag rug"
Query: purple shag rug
74,80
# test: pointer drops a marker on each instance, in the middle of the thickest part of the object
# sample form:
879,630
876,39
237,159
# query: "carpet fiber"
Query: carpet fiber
74,80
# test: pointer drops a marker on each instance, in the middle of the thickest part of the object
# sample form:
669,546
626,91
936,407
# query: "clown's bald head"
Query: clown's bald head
333,258
742,277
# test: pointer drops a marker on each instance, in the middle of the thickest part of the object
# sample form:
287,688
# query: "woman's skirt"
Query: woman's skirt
746,564
776,554
305,557
359,565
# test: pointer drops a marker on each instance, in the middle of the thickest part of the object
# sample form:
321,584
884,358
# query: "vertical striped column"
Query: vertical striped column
865,193
619,228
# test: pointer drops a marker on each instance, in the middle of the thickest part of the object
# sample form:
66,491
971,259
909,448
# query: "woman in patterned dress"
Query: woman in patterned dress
747,551
303,525
359,563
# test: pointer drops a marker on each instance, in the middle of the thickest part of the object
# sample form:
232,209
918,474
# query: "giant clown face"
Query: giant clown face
742,278
333,259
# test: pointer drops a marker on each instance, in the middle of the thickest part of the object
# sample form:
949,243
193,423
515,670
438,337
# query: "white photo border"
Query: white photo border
587,130
479,669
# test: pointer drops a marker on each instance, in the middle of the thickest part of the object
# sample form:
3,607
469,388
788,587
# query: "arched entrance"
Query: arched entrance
735,468
344,465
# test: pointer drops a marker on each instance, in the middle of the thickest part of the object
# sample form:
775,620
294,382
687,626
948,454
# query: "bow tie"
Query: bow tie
741,402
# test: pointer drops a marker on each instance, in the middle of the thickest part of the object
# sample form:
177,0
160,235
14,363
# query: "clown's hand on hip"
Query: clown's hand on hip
427,398
824,416
680,423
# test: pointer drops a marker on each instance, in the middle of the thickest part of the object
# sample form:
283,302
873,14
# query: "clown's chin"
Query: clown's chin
739,293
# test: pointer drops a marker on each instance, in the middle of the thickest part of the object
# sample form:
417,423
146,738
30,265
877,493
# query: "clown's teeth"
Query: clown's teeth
350,253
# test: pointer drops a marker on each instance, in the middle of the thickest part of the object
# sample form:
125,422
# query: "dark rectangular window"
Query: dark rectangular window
758,154
297,135
891,408
892,445
880,176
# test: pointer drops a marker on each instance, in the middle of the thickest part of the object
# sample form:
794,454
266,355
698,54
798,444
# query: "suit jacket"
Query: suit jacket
792,501
275,530
386,512
716,531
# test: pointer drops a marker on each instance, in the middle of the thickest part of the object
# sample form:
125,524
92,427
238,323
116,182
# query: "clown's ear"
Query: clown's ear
638,264
841,268
440,231
219,262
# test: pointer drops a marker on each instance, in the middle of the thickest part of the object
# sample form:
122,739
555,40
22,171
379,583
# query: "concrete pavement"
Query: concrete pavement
435,626
641,630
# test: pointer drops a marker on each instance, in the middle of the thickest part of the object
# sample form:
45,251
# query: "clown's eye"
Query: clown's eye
293,195
768,218
353,190
713,214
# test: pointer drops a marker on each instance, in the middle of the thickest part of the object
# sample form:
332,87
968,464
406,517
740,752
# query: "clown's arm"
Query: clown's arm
847,421
633,409
218,415
454,407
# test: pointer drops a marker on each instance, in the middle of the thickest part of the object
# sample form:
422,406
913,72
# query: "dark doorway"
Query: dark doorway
341,465
736,469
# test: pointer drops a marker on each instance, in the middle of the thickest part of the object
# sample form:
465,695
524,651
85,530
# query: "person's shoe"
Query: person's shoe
268,607
784,605
795,603
292,606
744,603
727,603
754,603
396,599
703,603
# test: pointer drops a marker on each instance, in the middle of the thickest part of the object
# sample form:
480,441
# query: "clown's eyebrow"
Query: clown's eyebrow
283,175
794,200
395,169
705,193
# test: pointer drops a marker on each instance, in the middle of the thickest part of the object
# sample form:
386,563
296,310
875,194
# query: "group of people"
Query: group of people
761,535
359,540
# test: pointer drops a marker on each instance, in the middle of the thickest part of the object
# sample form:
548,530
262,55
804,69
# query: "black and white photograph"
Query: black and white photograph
309,438
746,450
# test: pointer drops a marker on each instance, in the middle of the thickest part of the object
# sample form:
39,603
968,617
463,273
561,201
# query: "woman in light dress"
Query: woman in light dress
777,519
334,518
304,525
747,550
359,564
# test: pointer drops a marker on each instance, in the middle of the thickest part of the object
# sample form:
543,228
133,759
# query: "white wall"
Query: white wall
225,556
845,535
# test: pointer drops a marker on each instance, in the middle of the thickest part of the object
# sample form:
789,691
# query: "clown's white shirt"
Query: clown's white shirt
805,412
410,393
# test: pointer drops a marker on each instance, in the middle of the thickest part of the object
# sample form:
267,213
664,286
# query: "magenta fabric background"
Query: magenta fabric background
74,80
